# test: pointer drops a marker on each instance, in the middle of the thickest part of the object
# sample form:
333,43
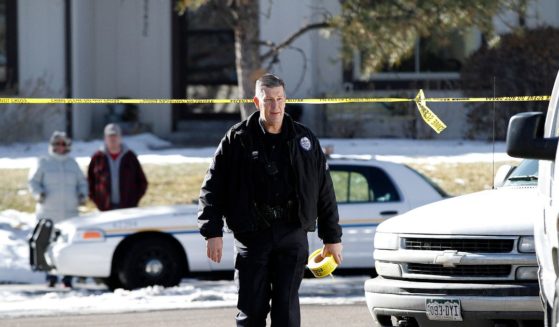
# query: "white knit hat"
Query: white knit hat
60,136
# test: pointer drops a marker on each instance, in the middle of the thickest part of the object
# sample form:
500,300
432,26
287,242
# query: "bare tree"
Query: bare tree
245,23
382,30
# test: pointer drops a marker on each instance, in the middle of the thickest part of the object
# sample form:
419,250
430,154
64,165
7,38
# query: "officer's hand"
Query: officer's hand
214,248
333,249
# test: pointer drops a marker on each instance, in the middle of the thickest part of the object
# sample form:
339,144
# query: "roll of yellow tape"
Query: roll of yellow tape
319,266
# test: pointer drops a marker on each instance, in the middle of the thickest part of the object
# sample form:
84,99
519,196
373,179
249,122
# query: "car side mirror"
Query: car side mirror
502,174
525,137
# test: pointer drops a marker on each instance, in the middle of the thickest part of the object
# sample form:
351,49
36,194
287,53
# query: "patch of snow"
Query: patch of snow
153,150
15,228
150,150
192,293
30,296
459,181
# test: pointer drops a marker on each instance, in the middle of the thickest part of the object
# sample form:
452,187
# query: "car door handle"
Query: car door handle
389,213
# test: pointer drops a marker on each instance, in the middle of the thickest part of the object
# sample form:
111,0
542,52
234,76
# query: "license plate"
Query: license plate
443,309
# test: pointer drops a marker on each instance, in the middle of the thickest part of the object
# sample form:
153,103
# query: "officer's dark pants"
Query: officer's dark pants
269,266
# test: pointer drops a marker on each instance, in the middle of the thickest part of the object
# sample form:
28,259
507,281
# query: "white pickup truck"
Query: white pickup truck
533,135
464,261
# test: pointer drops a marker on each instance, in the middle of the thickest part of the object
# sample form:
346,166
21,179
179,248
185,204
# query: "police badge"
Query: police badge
305,143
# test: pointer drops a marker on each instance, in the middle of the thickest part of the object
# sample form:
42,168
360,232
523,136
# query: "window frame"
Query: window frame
10,85
189,43
418,77
182,30
366,171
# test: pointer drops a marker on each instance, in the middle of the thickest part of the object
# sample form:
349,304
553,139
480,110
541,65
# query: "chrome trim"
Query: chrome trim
453,258
430,257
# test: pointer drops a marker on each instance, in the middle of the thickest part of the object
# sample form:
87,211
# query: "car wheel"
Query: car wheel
112,282
151,261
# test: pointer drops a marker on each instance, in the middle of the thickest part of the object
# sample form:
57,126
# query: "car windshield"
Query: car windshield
525,174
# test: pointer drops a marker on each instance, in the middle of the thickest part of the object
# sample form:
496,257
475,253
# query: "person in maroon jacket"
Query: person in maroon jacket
116,178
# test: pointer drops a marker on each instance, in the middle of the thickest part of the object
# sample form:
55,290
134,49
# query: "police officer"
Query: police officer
270,180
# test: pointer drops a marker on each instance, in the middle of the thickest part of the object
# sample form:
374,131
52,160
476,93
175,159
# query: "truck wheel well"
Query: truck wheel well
143,236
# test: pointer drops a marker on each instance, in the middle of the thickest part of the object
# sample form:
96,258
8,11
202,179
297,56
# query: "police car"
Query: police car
137,247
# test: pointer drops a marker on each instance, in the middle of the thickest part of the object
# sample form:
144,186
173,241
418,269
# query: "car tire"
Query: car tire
112,282
150,261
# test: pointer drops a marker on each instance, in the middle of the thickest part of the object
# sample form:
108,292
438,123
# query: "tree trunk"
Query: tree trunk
247,51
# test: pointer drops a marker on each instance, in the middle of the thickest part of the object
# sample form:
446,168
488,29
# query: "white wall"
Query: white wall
126,63
281,23
323,71
83,70
544,12
539,13
41,55
132,56
326,65
119,51
326,57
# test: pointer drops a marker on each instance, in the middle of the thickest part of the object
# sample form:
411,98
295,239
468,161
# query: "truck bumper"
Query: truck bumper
482,304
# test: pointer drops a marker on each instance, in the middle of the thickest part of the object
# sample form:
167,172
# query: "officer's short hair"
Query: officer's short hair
268,80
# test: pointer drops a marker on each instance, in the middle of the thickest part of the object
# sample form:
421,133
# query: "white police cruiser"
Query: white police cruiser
132,248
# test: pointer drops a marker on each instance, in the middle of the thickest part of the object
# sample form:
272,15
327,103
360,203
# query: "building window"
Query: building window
432,60
210,57
206,64
8,45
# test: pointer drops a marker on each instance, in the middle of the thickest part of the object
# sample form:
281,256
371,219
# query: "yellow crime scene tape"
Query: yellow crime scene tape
420,100
320,266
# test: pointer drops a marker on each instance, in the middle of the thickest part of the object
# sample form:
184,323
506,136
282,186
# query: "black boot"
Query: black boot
51,280
67,281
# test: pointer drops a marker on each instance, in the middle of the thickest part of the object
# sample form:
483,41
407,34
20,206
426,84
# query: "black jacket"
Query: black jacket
227,190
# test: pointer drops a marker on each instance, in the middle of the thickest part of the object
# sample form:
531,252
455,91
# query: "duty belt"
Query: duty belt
268,215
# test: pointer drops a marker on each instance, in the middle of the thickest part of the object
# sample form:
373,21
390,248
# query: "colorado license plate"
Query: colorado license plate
442,309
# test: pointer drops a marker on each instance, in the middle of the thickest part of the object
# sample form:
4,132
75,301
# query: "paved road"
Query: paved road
312,315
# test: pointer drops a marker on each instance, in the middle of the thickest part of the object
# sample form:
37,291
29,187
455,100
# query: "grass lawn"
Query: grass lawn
168,184
176,184
460,178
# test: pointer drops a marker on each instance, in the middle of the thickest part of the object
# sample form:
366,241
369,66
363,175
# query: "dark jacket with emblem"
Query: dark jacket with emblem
227,191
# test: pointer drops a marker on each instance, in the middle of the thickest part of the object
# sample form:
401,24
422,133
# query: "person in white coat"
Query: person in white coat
59,187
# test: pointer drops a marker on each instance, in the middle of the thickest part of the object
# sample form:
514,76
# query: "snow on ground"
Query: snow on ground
18,301
150,148
15,228
21,296
153,150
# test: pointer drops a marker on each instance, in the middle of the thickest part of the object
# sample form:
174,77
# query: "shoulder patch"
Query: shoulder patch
305,143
